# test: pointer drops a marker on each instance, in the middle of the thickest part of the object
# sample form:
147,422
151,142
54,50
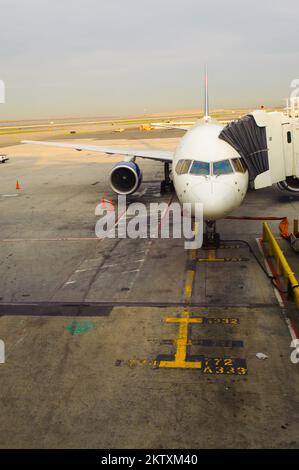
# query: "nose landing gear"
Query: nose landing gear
167,184
211,239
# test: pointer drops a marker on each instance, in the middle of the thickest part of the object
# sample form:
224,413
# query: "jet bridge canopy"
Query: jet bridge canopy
250,141
268,143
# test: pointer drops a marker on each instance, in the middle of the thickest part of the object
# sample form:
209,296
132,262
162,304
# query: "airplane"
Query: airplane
206,167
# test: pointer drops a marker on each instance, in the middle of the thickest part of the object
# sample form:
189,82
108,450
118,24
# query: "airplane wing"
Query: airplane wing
161,155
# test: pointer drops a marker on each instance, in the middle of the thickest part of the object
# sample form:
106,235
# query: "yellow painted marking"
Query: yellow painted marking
191,273
211,257
182,344
193,254
189,284
180,365
184,320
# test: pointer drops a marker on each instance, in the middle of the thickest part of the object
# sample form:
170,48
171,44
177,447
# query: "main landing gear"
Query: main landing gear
211,239
167,184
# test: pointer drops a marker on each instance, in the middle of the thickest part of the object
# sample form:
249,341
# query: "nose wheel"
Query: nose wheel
167,184
211,239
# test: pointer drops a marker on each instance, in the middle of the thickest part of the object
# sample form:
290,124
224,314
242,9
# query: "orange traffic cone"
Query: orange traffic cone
18,185
111,204
103,202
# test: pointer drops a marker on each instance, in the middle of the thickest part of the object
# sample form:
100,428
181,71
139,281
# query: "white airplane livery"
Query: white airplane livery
208,170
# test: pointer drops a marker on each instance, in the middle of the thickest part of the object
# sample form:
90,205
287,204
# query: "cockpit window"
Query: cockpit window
222,168
183,166
200,168
238,165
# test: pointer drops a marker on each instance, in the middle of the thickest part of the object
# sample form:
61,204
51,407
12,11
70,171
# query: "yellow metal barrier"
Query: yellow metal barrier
282,266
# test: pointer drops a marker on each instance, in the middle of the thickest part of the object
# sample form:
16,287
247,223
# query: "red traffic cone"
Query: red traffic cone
18,185
103,202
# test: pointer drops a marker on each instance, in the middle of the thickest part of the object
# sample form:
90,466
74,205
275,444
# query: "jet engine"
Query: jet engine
291,184
125,178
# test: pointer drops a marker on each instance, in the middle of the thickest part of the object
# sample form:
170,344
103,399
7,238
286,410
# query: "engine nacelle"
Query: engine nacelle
125,178
290,184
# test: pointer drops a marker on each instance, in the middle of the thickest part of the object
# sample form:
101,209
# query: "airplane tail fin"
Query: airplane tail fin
206,113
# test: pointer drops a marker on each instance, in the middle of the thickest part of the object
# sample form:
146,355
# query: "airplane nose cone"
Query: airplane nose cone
218,199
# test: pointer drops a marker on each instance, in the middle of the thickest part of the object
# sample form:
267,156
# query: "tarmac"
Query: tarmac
120,343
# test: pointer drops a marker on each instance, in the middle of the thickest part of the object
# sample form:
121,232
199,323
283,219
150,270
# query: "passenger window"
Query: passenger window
200,168
183,167
222,168
238,165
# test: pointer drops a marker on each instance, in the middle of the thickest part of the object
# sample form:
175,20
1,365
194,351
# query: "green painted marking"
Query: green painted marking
80,326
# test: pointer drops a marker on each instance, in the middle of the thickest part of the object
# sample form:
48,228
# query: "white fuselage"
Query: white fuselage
215,177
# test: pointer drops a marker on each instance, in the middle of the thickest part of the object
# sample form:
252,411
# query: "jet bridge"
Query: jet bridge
268,143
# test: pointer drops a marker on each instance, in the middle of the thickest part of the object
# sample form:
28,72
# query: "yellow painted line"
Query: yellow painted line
212,257
189,284
212,260
190,276
193,255
186,320
180,365
282,266
25,131
182,344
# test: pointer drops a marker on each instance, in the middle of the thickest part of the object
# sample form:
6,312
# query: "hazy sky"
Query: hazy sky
110,57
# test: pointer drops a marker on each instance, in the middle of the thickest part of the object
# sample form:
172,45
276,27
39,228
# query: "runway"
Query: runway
135,343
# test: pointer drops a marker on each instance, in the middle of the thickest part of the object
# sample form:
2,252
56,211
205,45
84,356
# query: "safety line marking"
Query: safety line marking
186,319
180,361
189,284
